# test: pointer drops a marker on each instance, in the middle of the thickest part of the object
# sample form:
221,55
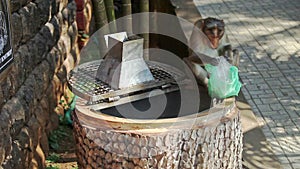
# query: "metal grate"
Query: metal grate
83,83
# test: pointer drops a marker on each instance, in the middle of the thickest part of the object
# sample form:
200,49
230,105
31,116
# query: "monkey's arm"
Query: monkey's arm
199,73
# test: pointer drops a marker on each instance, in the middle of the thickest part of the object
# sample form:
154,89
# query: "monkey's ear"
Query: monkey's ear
199,24
222,21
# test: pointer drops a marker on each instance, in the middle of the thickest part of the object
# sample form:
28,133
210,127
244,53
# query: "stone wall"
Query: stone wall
44,36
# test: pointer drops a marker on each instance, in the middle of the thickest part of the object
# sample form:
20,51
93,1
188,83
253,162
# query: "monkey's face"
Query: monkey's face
214,30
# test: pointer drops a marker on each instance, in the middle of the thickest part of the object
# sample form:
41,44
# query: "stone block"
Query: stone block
39,157
47,33
65,43
40,48
62,48
54,28
41,116
6,144
25,61
28,17
75,54
17,117
26,93
17,159
6,89
72,33
43,10
2,154
18,72
44,143
69,63
41,79
65,14
54,7
34,132
24,139
72,12
15,5
53,59
16,24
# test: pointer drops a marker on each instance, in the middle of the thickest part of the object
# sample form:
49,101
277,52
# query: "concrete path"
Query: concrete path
267,33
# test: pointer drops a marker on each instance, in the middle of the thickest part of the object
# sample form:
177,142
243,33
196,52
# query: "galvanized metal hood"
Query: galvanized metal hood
124,65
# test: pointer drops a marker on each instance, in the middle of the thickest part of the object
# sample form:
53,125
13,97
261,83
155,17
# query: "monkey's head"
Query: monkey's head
214,29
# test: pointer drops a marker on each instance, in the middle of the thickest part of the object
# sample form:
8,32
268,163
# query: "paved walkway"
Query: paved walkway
267,33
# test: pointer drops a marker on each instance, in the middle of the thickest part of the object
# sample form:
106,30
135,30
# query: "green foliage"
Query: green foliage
99,13
52,167
69,108
53,158
57,135
110,11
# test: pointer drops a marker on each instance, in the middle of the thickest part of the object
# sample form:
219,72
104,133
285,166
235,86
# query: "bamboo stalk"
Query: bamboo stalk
153,39
101,23
100,13
144,25
110,11
126,11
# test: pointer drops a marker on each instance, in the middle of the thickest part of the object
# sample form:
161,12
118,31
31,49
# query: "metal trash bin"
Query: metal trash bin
108,137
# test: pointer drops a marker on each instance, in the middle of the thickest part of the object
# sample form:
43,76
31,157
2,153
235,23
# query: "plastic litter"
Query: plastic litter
223,80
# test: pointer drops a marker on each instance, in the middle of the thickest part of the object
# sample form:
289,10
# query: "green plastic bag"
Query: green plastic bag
223,80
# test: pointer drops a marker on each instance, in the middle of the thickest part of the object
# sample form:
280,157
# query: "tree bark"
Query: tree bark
110,11
101,24
208,142
153,39
99,13
144,26
126,12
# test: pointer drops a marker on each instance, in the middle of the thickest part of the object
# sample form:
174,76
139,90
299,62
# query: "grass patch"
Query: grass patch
52,167
53,158
61,133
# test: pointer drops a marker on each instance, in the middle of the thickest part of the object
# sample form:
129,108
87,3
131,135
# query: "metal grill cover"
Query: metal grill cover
84,83
134,101
125,80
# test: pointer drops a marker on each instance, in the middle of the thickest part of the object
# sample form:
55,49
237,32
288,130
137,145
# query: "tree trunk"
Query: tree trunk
126,12
101,24
186,142
144,25
153,40
99,13
110,11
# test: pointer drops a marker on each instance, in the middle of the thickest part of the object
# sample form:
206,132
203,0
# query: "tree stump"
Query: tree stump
204,141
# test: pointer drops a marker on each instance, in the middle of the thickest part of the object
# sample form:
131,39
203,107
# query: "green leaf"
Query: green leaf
53,157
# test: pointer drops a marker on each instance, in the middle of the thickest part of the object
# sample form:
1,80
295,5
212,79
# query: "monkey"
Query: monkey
213,29
207,42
